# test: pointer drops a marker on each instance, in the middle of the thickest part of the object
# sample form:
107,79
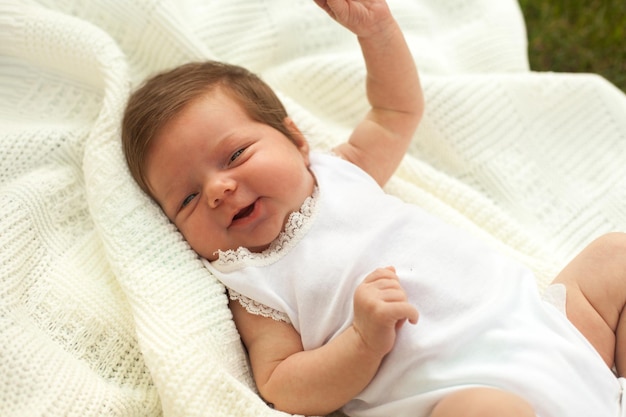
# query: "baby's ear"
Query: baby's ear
297,137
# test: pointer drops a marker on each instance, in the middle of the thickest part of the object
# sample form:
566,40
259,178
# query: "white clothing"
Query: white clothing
482,321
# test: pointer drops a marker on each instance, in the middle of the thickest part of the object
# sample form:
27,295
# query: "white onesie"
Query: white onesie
482,321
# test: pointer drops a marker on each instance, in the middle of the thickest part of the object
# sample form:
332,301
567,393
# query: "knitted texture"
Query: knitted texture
105,310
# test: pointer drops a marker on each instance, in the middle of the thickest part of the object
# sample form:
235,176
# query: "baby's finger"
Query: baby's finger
412,315
403,311
381,273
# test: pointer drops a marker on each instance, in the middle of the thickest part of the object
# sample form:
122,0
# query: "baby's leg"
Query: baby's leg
482,402
596,296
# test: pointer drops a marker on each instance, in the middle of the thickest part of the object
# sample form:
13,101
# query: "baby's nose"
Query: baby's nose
218,189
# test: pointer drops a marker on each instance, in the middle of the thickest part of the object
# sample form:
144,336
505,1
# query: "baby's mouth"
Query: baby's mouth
244,212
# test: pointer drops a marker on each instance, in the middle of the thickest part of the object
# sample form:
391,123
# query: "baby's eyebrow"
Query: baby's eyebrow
227,141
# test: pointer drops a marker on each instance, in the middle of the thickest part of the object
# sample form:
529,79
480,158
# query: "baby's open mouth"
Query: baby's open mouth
244,212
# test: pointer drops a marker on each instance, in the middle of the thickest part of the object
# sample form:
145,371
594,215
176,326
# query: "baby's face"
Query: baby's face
225,180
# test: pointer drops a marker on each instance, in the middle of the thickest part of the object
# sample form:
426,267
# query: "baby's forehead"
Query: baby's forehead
223,96
207,101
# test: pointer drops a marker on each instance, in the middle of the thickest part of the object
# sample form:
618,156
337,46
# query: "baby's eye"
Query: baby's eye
236,155
187,200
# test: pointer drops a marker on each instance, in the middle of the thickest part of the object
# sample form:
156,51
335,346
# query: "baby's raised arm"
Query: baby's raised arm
379,142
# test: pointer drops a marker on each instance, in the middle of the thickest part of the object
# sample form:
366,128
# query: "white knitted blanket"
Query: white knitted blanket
104,310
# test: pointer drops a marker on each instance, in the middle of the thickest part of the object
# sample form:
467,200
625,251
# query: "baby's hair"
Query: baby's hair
164,95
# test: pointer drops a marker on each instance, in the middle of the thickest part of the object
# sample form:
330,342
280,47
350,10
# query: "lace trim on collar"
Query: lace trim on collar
298,223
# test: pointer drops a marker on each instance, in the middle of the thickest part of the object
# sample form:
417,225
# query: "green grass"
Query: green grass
578,36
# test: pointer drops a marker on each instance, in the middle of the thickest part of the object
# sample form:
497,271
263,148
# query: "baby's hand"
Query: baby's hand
363,18
380,309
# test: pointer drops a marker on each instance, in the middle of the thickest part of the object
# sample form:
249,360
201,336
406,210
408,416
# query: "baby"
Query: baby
346,297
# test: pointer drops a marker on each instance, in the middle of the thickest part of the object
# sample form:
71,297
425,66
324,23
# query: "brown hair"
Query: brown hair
164,95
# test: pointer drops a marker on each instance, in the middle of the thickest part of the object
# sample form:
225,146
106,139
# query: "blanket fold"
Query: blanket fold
105,310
